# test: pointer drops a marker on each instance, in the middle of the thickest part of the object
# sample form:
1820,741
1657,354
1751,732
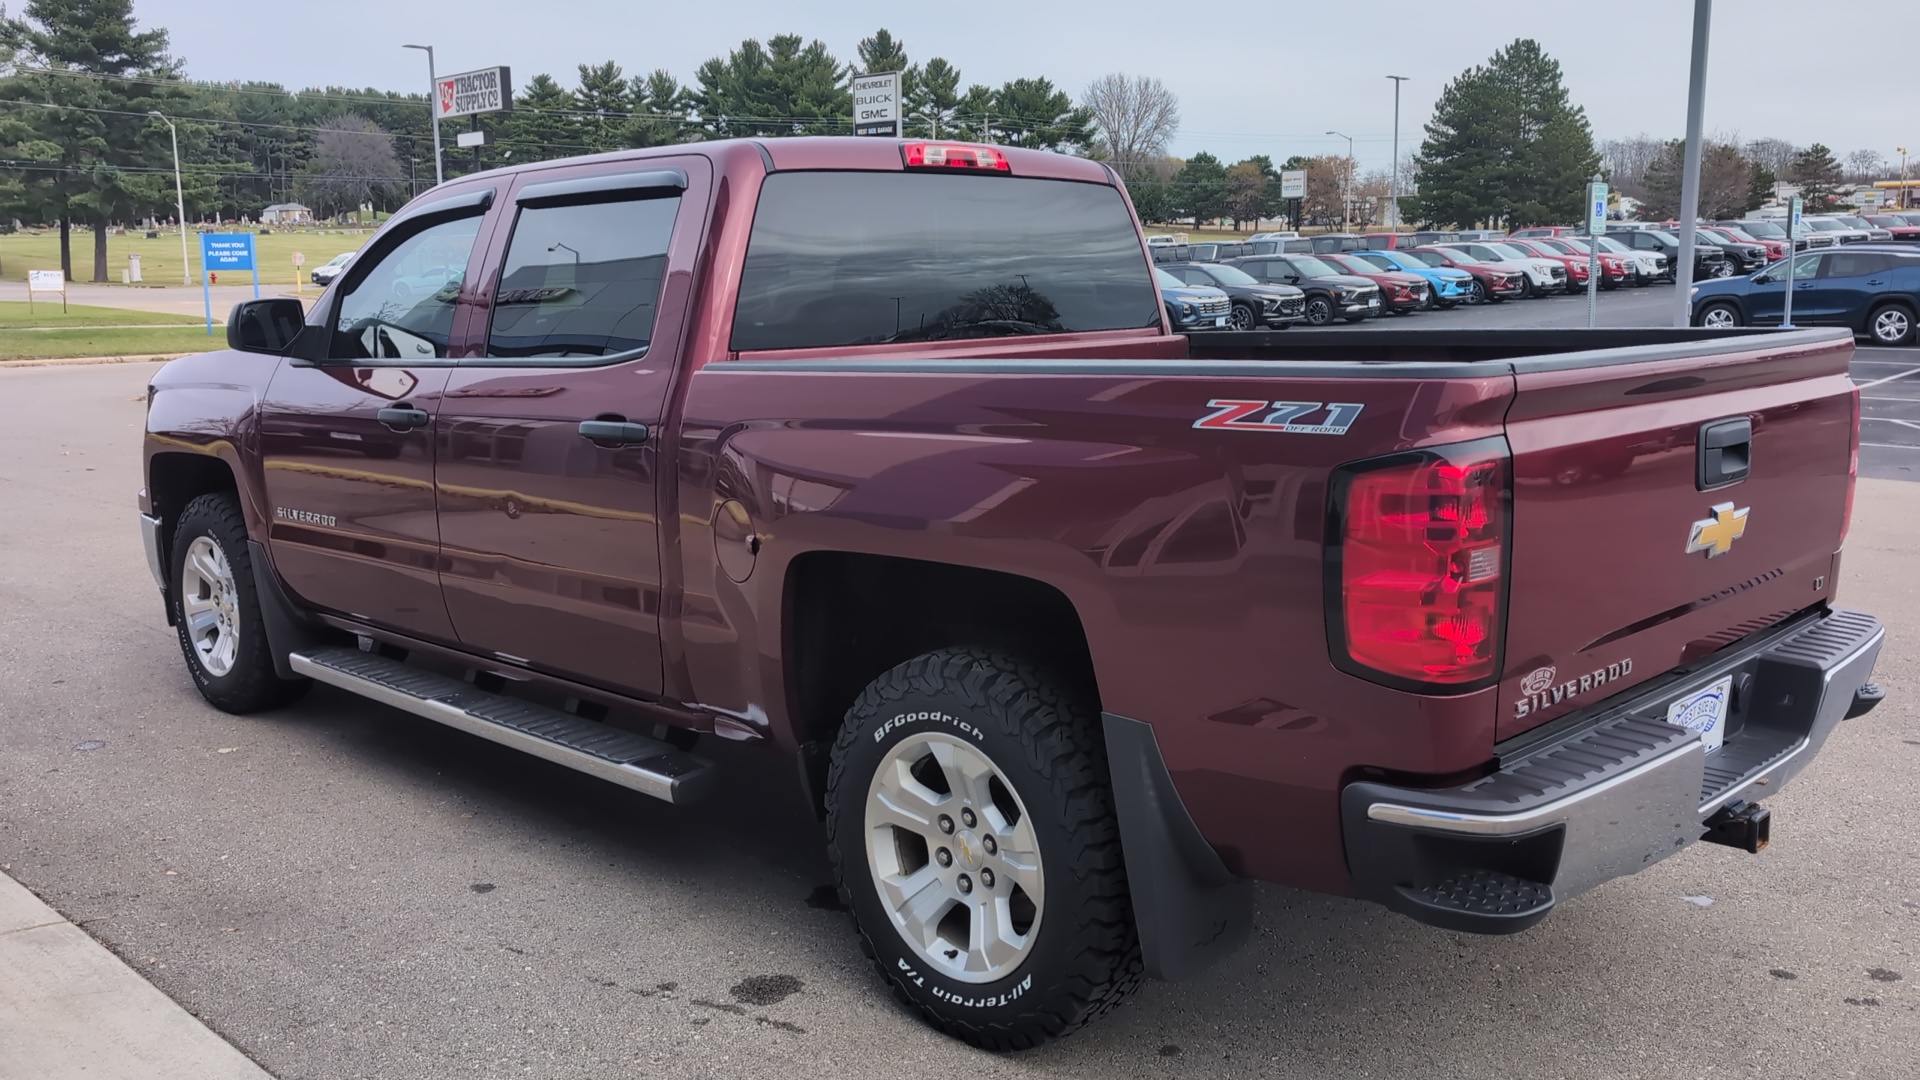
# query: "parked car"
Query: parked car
1544,277
1170,252
1648,266
1875,234
1743,256
1897,226
1775,229
1449,286
1192,307
327,271
1872,290
1068,628
1483,234
1708,261
1404,241
1774,248
1326,242
1537,231
1841,232
1576,266
1330,294
1615,269
1257,305
1213,251
1400,293
1288,234
1492,282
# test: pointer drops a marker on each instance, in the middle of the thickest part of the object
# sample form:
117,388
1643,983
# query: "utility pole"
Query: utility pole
179,200
433,107
1395,196
1903,176
1690,174
1346,200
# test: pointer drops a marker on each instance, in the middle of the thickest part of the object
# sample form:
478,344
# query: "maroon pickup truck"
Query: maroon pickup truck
881,455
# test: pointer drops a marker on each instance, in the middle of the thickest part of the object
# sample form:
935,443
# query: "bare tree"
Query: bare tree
353,164
1626,162
1774,155
1866,166
1136,117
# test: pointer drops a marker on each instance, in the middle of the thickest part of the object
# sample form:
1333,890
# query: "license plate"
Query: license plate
1221,321
1373,301
1704,711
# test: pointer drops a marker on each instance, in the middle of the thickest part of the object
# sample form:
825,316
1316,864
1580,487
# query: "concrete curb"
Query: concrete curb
74,361
69,1009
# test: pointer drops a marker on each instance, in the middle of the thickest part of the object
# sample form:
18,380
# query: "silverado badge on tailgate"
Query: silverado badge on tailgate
1715,535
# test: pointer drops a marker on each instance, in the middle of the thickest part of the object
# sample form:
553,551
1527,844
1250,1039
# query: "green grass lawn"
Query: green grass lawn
107,341
46,313
160,257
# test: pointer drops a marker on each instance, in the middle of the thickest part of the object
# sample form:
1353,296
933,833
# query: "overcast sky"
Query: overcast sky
1242,91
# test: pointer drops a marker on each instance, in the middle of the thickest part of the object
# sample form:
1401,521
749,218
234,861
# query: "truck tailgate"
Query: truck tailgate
1626,562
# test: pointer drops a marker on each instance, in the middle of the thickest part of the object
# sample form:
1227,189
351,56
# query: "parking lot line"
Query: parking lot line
1876,397
1891,420
1888,379
1891,446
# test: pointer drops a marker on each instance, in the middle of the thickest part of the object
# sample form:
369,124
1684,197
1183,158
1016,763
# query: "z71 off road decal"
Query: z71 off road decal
1231,414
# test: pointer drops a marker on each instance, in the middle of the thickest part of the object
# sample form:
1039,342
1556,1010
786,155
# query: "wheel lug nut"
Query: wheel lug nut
946,824
966,815
986,878
966,884
990,844
943,857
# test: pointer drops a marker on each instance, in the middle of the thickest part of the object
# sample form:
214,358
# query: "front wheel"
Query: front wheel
216,611
971,827
1722,270
1891,324
1241,317
1479,292
1719,316
1319,311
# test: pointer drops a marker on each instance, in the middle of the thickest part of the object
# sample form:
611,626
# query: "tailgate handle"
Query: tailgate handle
1726,453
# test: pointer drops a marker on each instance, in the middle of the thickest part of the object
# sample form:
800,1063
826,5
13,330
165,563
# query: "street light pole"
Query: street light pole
1690,170
433,107
1346,201
1903,176
1395,196
179,199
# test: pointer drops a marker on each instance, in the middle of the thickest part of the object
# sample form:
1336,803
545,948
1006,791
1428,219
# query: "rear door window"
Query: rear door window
1849,264
582,280
864,258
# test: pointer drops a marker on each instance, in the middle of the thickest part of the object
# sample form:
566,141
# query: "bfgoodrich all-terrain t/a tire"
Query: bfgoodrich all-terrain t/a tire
217,611
973,837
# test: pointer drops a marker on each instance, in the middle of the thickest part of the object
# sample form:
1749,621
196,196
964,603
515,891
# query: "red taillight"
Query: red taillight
1853,467
956,156
1417,567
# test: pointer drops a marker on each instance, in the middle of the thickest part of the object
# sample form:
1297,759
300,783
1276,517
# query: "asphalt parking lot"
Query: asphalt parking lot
345,891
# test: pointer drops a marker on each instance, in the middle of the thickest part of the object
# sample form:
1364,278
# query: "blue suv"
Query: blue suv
1873,289
1450,286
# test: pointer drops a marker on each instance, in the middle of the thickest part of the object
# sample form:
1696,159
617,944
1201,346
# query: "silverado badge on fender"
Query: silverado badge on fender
1231,414
1715,535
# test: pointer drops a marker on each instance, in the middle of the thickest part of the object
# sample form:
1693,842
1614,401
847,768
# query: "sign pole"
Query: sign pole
1794,208
206,297
1596,228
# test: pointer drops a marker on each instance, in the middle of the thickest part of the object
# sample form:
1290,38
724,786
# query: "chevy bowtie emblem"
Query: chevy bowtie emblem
1715,535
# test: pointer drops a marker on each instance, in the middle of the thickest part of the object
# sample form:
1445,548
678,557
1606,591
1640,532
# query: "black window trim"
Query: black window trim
586,191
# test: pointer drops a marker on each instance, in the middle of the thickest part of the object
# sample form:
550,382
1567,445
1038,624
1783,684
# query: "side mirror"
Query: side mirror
265,326
1763,279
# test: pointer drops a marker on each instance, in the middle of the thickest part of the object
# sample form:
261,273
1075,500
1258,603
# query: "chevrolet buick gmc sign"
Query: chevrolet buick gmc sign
876,104
485,90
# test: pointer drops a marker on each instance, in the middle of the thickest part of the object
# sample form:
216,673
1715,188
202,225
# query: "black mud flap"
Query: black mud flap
288,630
1190,909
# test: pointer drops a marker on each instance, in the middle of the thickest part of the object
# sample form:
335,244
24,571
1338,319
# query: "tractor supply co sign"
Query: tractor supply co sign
876,104
486,90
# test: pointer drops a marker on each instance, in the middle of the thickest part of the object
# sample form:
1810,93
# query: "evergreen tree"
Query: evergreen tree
1760,186
1200,189
663,110
785,87
542,124
932,97
882,53
1505,144
99,126
1818,175
1032,113
604,101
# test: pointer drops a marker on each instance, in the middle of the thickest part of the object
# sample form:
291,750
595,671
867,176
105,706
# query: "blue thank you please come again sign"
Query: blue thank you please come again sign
226,251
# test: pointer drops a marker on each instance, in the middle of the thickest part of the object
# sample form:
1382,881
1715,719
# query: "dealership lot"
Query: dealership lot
344,891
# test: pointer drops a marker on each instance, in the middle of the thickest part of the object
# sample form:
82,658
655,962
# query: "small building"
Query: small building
286,214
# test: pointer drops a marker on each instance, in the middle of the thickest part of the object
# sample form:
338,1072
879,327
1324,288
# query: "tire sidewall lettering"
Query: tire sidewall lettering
947,721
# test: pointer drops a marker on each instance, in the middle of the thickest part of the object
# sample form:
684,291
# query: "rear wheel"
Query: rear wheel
1891,324
1479,291
1319,311
1242,317
1722,270
1719,316
216,611
973,837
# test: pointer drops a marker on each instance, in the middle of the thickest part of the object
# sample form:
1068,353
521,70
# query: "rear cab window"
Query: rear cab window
840,259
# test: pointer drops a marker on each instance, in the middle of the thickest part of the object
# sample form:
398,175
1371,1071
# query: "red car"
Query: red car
1400,292
1900,227
1613,270
1617,269
1539,231
1489,284
1776,249
1402,241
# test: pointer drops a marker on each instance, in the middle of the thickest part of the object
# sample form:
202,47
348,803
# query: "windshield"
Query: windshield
1231,275
1512,252
1823,224
340,260
1854,222
1313,267
1765,230
1166,280
1462,257
1608,243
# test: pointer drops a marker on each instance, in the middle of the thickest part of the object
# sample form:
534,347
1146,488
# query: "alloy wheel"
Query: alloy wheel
1719,318
1892,326
1319,312
954,858
209,601
1241,318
